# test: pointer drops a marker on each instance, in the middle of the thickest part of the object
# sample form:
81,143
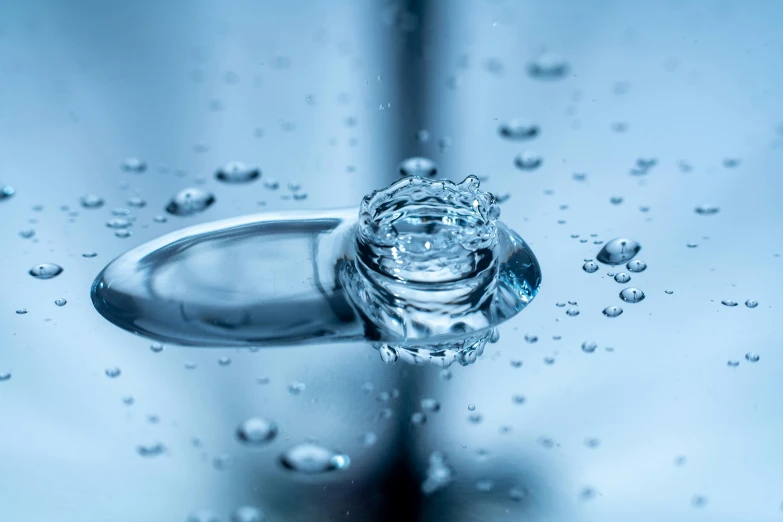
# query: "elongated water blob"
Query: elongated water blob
427,264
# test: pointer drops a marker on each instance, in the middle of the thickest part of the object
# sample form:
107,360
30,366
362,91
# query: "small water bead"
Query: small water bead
112,372
418,418
631,295
518,399
91,201
89,255
730,163
515,363
531,338
572,303
190,201
548,66
295,388
516,494
475,418
190,365
615,200
224,361
590,267
618,251
612,311
484,485
699,501
388,354
311,459
247,514
729,303
26,233
560,304
589,346
6,191
5,376
572,312
257,431
60,301
272,184
150,450
137,202
21,311
732,364
471,407
124,233
237,172
636,266
706,210
418,167
752,357
692,245
751,303
120,211
518,129
119,223
156,348
430,405
134,165
46,271
528,160
622,277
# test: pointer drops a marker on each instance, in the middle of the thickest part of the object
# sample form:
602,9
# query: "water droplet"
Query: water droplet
224,361
589,346
92,201
590,267
615,200
5,376
310,458
572,312
418,418
636,266
516,494
669,292
60,301
46,271
752,357
471,407
706,210
237,172
247,514
190,201
430,405
124,233
612,311
518,399
484,485
751,303
528,160
531,338
418,167
388,354
369,439
732,364
160,219
518,129
113,372
119,223
295,388
150,450
257,431
548,66
631,295
134,165
618,251
137,202
6,191
622,277
156,348
26,233
21,311
699,501
729,302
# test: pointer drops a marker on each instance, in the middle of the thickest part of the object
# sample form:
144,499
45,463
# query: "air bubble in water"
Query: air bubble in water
296,387
518,129
751,303
429,404
484,485
418,418
590,267
418,167
622,277
528,160
636,266
631,295
237,172
46,271
706,210
548,66
257,431
618,251
612,311
310,458
729,303
190,201
91,201
439,474
247,514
